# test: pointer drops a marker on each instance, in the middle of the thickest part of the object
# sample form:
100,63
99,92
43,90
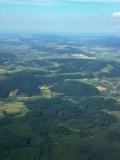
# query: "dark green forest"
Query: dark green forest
82,130
75,88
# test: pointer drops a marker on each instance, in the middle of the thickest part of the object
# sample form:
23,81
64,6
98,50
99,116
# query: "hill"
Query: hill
75,88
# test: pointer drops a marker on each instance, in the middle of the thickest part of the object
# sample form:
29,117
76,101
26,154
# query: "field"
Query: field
45,92
12,108
59,97
101,88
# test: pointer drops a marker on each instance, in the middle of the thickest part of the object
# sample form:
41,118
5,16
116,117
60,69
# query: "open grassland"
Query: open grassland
45,92
114,113
118,99
2,71
24,98
12,107
107,69
1,113
70,99
105,53
95,82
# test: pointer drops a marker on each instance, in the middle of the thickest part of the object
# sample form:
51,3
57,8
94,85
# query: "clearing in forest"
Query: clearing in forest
45,91
13,107
13,93
101,88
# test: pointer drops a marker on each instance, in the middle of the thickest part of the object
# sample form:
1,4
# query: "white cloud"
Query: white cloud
115,16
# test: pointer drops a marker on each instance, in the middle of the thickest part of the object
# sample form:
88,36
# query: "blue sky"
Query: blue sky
68,16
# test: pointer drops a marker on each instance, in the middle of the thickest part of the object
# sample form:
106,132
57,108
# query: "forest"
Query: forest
54,106
75,88
49,121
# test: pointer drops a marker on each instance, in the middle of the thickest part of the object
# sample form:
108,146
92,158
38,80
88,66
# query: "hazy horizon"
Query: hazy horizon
60,16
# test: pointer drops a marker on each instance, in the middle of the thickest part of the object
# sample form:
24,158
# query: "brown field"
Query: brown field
13,93
101,88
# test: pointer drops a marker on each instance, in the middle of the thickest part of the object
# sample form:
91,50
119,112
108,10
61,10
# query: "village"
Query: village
115,87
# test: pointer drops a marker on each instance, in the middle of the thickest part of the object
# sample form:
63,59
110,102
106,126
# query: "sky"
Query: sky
65,16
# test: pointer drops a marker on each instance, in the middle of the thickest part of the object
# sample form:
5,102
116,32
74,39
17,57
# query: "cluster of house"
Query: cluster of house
115,87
